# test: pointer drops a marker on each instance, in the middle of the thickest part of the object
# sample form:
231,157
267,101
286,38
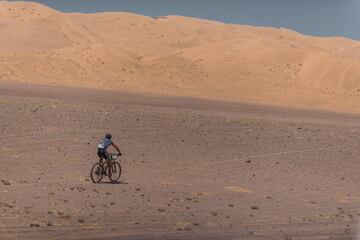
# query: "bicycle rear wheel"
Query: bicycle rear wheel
115,172
96,173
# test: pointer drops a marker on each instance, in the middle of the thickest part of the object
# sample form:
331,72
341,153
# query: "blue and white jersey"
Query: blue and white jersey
105,143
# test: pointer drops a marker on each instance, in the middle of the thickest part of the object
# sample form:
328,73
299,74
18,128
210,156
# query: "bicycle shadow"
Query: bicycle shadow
114,182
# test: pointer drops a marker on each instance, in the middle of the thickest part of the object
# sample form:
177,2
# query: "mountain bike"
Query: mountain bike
106,167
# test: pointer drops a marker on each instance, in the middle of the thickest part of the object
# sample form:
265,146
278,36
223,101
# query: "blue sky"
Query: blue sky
314,17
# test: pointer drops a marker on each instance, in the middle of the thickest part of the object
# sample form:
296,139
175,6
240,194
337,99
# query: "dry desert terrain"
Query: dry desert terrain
192,169
227,131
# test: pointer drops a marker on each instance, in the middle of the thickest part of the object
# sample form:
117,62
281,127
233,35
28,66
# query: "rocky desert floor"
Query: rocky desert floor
192,169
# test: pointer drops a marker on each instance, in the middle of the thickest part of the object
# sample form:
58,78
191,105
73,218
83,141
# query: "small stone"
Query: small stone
161,210
183,226
5,182
34,224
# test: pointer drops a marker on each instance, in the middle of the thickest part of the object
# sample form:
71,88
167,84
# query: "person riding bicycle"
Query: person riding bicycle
104,145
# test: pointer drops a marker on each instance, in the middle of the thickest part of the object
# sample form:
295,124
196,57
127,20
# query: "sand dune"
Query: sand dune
176,55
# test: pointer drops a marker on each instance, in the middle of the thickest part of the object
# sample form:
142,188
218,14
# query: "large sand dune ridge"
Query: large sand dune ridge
176,55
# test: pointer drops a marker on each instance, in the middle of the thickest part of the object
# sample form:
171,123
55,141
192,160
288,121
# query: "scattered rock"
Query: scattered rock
288,237
5,182
161,210
80,189
60,213
254,208
214,214
34,224
7,205
184,226
231,205
81,220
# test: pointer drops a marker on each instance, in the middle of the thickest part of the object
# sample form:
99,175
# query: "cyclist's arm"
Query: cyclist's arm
116,147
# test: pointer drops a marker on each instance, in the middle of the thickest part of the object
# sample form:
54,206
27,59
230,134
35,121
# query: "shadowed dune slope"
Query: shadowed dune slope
177,56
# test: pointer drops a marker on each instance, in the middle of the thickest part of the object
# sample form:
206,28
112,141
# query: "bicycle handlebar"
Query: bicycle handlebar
113,156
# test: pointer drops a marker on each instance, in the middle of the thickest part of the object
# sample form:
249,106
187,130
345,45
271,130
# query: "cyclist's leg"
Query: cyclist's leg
108,163
110,172
100,155
106,155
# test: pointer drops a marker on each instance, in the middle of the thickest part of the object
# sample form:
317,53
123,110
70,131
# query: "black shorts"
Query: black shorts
102,153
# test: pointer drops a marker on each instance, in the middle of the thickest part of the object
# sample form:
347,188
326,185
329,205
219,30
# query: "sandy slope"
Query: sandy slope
177,56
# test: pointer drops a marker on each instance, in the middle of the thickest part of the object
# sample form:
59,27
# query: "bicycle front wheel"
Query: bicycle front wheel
96,173
115,172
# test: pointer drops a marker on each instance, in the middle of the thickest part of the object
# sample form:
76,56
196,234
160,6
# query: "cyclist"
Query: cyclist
104,145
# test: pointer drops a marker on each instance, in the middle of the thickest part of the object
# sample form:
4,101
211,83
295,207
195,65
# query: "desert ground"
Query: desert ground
192,168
